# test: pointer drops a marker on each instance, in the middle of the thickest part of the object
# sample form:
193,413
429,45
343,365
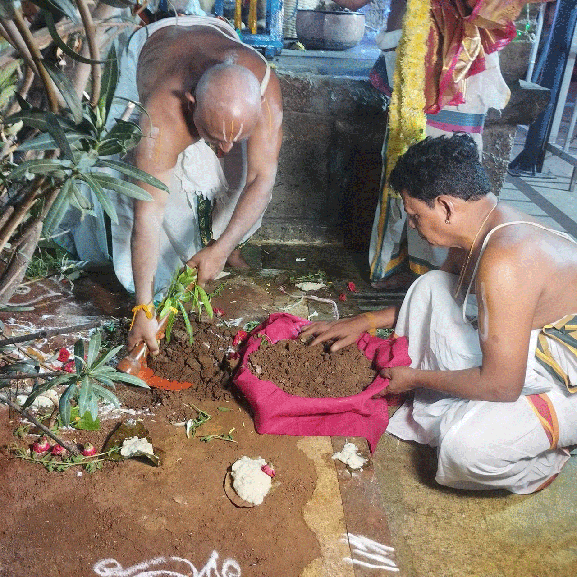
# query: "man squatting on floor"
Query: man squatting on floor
199,84
492,335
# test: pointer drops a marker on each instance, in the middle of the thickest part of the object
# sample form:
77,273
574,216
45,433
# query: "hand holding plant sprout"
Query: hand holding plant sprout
182,290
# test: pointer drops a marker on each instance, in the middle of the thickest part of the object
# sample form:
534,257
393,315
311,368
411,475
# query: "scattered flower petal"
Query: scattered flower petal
63,355
351,286
218,311
268,470
41,446
58,450
88,450
239,337
69,367
343,297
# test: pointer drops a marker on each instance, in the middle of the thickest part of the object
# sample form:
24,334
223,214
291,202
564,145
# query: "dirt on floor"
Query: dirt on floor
67,521
171,517
200,359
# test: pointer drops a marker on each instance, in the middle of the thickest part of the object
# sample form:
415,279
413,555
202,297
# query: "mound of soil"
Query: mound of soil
203,363
307,371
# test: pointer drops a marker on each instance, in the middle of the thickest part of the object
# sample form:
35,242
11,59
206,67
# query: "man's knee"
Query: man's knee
470,462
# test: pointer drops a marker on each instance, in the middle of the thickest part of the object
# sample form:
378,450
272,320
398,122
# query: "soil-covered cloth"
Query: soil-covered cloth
203,362
306,371
364,414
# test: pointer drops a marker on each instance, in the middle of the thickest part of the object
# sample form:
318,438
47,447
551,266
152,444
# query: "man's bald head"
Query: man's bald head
228,102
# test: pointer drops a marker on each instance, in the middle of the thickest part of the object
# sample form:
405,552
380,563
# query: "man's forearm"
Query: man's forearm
466,384
145,252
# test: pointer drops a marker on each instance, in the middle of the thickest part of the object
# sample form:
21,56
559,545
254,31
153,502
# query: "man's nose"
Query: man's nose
226,146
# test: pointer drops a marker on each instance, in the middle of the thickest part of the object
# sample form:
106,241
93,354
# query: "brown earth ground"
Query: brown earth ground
131,518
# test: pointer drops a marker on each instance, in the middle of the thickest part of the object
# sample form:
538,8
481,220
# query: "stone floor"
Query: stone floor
434,531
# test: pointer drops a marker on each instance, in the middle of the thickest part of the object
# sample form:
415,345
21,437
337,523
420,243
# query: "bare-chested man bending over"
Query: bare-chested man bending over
199,84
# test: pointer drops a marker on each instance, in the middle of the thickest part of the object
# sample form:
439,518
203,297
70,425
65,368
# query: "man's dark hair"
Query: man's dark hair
441,165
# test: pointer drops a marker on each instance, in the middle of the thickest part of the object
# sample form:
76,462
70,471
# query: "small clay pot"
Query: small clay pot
329,30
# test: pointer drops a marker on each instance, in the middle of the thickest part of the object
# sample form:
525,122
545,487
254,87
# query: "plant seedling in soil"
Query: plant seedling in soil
87,383
192,424
183,289
224,437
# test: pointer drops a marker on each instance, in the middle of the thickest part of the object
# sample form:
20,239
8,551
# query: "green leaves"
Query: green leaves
50,24
103,199
123,136
58,208
134,172
87,385
58,8
120,186
40,166
183,289
66,89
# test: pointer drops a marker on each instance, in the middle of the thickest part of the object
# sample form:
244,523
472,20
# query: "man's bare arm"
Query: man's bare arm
507,304
156,154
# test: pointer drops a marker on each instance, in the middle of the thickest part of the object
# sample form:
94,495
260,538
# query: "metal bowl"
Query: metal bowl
329,30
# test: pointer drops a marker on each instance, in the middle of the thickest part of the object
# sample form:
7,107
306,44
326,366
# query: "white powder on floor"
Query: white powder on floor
249,482
134,445
350,456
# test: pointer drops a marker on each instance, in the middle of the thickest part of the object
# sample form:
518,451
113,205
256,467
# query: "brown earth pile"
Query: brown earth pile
203,363
307,371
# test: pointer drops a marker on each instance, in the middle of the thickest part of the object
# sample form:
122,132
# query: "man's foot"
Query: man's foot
400,281
236,260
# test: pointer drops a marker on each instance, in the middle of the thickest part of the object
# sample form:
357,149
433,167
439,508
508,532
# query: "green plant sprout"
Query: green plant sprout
192,424
60,464
250,326
183,289
223,437
87,384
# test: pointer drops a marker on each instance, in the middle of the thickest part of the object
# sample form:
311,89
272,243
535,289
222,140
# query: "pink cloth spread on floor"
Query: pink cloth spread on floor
280,413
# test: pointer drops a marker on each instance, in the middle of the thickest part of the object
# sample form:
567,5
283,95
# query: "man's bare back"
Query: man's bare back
174,58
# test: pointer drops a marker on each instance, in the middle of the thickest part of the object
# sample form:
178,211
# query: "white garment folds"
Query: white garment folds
480,444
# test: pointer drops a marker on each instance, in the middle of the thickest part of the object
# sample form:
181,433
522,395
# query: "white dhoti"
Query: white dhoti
198,174
481,444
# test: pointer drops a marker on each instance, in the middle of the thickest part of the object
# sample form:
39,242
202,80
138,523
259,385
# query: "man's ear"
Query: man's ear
190,97
447,204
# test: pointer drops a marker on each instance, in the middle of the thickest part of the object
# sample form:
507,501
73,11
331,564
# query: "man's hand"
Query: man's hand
401,379
208,262
344,332
144,330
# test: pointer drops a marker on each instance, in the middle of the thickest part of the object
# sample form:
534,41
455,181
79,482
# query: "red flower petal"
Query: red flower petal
88,450
343,297
41,446
268,470
239,337
351,286
69,367
58,450
63,355
218,311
